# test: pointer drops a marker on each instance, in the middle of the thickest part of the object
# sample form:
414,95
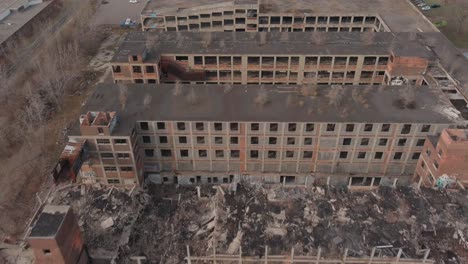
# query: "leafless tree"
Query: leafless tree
192,97
147,100
335,95
177,88
460,16
263,38
368,38
207,39
318,38
123,95
262,97
227,88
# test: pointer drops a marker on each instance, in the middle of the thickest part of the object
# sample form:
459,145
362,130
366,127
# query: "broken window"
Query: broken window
254,126
330,127
254,140
298,20
253,60
275,20
218,126
326,60
307,141
219,153
200,140
378,155
383,61
263,20
254,154
349,127
235,153
289,154
184,153
228,22
161,125
146,139
406,129
420,142
102,141
183,140
291,127
240,21
202,153
234,140
287,20
107,155
385,127
322,20
166,153
343,154
273,127
346,141
272,140
370,60
136,69
234,126
180,125
291,141
120,141
272,154
383,142
144,126
282,61
364,141
310,20
425,128
361,155
416,155
397,155
309,127
116,68
149,153
110,168
218,140
199,126
163,140
307,154
368,127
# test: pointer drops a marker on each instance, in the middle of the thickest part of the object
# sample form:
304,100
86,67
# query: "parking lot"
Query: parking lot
112,12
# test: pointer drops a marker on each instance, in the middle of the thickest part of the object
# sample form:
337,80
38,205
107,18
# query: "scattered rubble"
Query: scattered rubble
162,221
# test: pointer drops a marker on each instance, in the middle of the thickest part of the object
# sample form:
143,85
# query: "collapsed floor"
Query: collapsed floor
160,222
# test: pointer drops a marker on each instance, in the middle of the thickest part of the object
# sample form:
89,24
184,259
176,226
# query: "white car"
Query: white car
425,8
421,4
133,1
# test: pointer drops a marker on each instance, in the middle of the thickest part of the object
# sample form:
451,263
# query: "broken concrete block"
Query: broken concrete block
107,223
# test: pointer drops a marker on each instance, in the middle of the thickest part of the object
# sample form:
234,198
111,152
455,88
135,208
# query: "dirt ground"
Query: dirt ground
160,222
449,11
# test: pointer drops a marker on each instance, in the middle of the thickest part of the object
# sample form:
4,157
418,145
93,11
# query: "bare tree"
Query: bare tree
177,88
192,97
335,95
318,38
263,38
368,38
147,100
227,88
460,16
123,95
206,39
262,97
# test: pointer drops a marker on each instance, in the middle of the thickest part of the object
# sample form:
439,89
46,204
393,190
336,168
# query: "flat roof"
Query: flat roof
277,43
50,220
398,15
17,19
284,103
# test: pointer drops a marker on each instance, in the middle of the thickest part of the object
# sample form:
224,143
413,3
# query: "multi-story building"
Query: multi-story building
444,155
271,58
277,15
292,134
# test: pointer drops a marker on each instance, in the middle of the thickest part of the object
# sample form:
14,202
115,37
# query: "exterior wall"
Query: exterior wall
318,151
249,18
110,161
268,69
412,68
67,246
448,157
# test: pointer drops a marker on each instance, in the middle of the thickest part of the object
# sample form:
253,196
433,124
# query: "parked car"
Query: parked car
421,4
435,6
127,23
133,1
425,8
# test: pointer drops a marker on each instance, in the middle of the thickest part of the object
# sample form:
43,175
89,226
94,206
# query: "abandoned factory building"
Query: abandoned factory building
276,133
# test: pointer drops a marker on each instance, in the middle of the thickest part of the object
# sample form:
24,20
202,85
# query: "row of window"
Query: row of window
240,22
274,154
233,140
285,60
105,141
119,155
248,12
274,127
319,29
114,169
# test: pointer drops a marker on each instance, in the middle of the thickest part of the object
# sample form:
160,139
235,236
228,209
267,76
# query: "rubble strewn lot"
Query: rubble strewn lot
160,222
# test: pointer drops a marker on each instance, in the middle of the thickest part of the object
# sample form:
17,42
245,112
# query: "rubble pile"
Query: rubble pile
160,223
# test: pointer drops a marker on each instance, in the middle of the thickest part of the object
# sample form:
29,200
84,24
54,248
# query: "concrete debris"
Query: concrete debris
162,221
107,223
